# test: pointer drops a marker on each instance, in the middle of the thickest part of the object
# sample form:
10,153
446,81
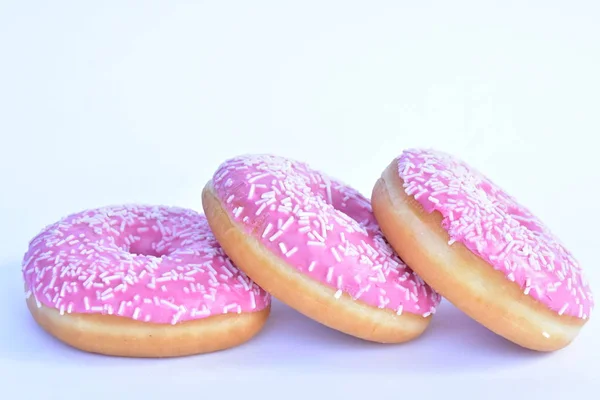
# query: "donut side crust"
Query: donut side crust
119,336
309,297
462,277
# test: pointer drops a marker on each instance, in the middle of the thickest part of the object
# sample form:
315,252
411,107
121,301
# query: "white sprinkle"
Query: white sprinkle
136,313
282,247
257,177
291,252
563,309
252,300
361,291
275,236
305,229
336,255
227,271
383,301
107,296
400,309
211,269
311,267
169,304
267,229
319,237
260,209
178,315
247,285
287,223
338,294
237,211
229,307
433,200
329,274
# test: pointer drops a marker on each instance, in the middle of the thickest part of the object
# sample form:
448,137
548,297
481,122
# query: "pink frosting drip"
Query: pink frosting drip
322,228
490,223
149,263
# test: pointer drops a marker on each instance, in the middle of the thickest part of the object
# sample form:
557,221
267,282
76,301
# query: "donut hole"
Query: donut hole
146,247
525,220
347,203
508,205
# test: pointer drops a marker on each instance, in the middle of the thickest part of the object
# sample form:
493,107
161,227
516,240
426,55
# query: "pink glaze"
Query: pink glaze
491,224
154,264
322,228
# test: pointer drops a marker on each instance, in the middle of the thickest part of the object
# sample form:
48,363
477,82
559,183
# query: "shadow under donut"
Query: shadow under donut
453,343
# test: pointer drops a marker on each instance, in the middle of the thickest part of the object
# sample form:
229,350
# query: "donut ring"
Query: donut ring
140,281
313,243
482,250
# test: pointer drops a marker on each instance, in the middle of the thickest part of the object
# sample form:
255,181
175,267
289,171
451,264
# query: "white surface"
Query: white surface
111,102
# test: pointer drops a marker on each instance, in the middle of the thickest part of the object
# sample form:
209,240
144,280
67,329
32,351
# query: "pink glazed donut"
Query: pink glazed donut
313,243
140,281
480,249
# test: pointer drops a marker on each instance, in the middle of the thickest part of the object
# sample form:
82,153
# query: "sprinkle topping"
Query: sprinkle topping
321,227
491,224
149,263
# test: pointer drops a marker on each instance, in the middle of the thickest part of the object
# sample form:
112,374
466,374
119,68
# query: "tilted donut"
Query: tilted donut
140,281
313,243
482,250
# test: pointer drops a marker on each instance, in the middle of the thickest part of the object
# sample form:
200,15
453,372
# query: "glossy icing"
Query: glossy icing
322,228
494,226
150,263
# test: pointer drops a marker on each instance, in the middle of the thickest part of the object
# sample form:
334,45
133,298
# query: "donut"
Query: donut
140,281
482,250
313,243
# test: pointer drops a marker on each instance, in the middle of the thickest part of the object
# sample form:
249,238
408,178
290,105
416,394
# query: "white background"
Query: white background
113,102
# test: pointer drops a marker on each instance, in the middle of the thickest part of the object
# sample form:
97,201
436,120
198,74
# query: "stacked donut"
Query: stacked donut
157,281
